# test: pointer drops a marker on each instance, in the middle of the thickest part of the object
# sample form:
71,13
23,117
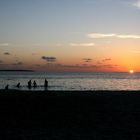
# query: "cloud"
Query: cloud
85,66
137,4
106,59
4,44
82,44
122,36
87,60
100,35
7,53
128,36
109,66
49,59
76,66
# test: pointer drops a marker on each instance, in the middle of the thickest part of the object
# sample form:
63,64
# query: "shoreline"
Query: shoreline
70,92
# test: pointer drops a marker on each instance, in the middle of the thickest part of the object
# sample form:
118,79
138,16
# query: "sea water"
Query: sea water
71,80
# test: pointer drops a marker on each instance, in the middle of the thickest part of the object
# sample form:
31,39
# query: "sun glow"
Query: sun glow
131,71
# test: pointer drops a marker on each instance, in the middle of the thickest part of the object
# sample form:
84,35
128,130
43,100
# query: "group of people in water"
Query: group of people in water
29,84
34,84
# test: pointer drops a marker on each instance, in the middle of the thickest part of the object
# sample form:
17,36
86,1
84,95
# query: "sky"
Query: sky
70,35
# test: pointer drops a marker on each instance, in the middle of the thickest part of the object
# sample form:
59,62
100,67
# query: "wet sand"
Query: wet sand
69,115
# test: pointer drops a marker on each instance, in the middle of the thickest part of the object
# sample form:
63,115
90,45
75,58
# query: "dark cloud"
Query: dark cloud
108,66
77,66
74,67
83,66
106,59
7,53
87,60
49,59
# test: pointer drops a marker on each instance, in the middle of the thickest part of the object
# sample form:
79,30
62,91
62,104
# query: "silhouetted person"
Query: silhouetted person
46,83
18,85
34,84
6,87
29,84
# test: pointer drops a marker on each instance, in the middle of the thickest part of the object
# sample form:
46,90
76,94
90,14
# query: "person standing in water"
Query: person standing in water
6,87
46,83
18,85
34,84
29,84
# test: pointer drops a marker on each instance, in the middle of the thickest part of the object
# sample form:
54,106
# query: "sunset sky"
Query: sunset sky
70,35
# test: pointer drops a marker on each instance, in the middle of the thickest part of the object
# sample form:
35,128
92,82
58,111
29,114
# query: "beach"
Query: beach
69,115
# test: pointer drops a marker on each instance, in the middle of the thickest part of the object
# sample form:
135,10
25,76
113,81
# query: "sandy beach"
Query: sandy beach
69,115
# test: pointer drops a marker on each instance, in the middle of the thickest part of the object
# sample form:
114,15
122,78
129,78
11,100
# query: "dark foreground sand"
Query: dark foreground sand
69,115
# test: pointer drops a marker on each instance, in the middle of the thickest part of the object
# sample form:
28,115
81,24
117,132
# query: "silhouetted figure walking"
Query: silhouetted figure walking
46,83
34,84
6,87
29,84
18,85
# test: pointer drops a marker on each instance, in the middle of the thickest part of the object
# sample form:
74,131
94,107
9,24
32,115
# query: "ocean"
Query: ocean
71,80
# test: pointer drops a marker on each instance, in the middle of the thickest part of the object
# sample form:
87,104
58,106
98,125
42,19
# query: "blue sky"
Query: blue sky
29,20
55,25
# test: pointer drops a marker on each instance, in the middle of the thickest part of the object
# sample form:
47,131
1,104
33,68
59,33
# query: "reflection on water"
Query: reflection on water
72,81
